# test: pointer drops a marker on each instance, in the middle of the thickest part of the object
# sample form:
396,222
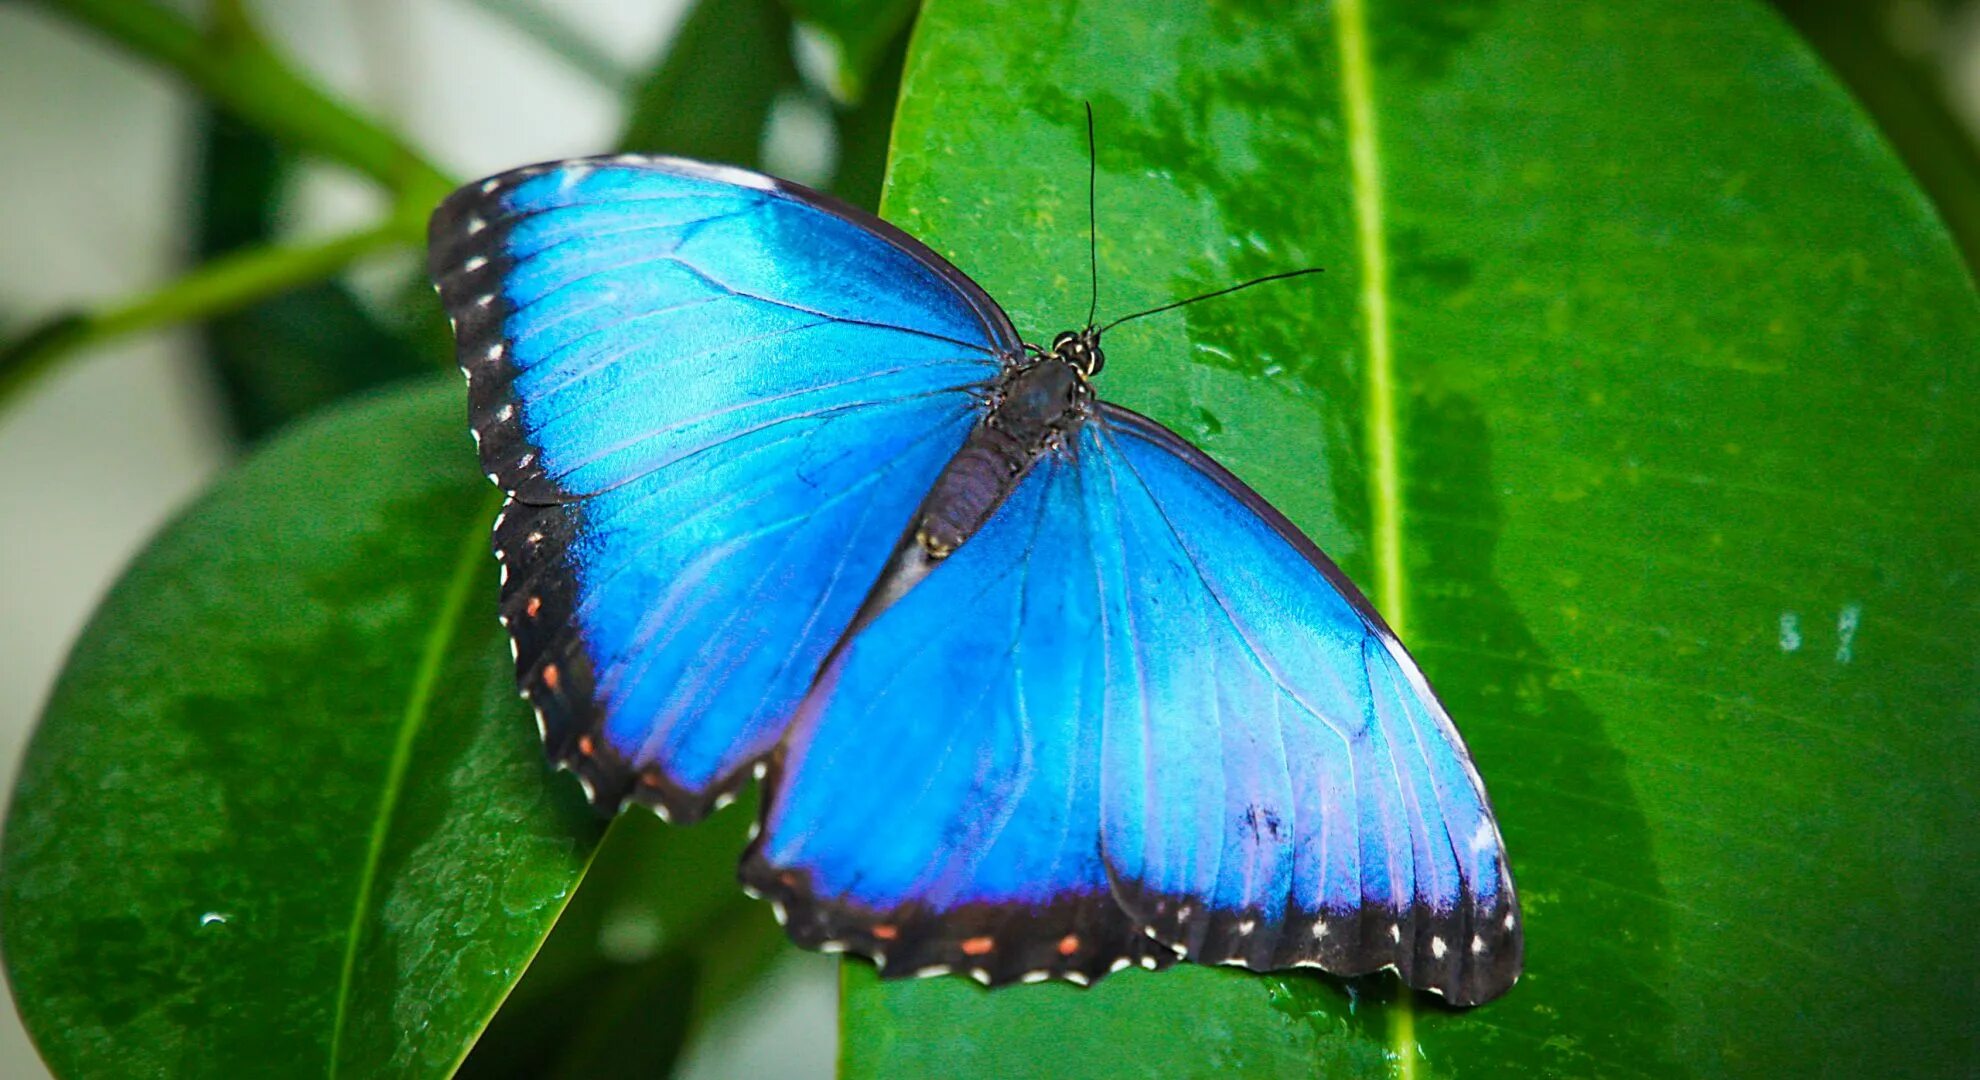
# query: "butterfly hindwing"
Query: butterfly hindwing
936,805
1141,700
1283,788
714,398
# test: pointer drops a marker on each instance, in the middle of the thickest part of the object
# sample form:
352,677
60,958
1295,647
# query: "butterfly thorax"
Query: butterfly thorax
1035,407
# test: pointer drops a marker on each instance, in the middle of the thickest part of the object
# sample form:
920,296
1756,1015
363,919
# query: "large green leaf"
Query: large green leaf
655,944
284,813
1873,46
1639,393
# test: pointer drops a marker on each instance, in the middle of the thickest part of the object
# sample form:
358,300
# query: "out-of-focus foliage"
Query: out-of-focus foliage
1885,50
299,350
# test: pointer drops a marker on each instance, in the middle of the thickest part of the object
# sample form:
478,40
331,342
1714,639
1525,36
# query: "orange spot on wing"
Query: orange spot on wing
550,676
977,946
1069,945
647,779
885,932
585,745
535,605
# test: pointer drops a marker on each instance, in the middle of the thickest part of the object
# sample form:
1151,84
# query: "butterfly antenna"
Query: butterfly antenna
1092,215
1281,276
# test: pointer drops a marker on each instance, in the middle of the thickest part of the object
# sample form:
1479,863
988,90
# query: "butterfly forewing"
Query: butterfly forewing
714,399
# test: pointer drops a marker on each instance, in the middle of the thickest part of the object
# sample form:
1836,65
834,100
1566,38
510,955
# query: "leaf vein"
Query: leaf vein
446,624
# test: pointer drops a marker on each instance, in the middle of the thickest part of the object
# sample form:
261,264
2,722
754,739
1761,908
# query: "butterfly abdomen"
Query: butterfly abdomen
1033,409
971,487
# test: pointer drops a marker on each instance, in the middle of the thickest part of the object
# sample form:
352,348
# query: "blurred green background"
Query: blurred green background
113,412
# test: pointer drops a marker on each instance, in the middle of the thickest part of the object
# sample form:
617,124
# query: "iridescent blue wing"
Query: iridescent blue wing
936,805
1282,786
1141,705
714,399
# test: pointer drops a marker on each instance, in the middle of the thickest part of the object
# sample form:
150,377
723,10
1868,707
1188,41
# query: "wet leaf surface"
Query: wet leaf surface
284,812
1639,392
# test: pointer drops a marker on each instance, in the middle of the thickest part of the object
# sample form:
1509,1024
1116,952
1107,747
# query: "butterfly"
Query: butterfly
1035,689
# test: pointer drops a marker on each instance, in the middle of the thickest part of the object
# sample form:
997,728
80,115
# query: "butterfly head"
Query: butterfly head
1081,349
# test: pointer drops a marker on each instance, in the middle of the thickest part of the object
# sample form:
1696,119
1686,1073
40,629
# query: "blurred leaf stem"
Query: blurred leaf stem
234,66
224,284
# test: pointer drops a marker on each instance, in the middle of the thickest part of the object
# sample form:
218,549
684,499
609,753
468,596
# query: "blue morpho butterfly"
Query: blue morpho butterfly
1036,689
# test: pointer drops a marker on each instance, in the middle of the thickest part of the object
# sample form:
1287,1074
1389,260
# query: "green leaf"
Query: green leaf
1908,91
284,810
657,942
1639,393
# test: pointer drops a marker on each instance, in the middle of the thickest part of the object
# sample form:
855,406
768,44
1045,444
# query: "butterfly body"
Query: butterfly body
1035,688
1033,409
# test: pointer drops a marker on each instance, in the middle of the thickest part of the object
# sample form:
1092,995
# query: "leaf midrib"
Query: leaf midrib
1379,406
446,624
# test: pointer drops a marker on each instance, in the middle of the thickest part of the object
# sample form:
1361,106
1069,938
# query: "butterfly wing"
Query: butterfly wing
714,399
1138,706
1282,786
936,805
